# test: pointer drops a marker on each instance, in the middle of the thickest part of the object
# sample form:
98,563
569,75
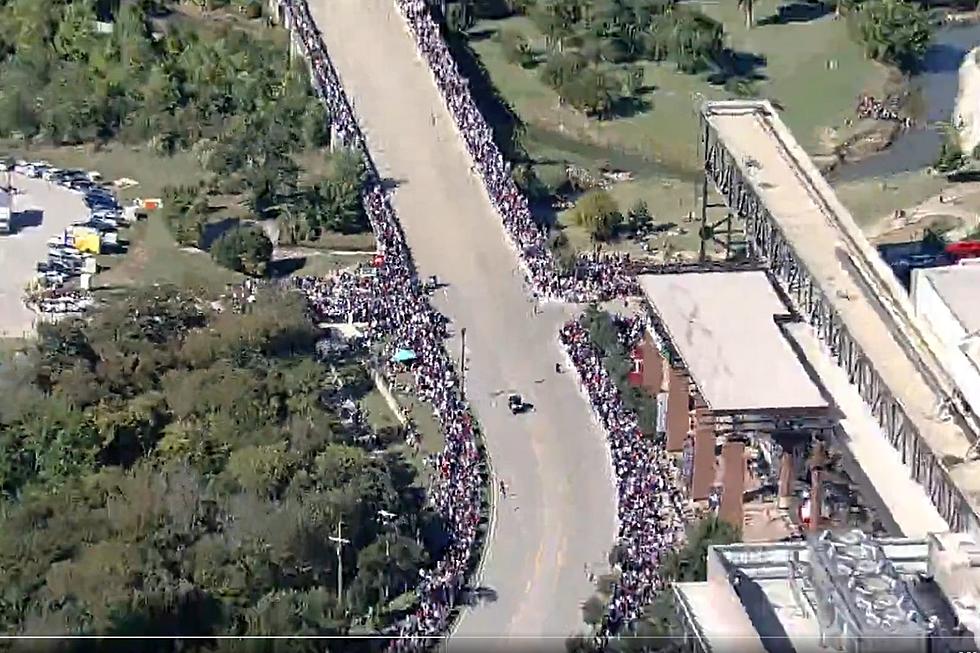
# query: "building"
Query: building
730,381
948,301
836,591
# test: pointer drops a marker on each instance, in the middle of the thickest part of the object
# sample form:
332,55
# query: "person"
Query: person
503,489
557,368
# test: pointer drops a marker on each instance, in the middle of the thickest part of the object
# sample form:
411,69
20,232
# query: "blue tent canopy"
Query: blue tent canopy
403,356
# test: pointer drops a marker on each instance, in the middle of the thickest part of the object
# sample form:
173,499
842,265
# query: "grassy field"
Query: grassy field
870,200
813,70
154,258
152,171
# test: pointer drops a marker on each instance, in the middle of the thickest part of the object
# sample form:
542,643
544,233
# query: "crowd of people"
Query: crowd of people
390,303
388,299
594,277
649,498
871,107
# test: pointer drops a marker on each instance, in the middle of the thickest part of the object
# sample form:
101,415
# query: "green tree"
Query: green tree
516,47
894,31
598,213
690,564
638,218
243,249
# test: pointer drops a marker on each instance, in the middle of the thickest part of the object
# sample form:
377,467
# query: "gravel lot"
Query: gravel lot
42,210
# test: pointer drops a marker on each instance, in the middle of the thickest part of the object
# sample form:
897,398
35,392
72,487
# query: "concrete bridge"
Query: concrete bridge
795,224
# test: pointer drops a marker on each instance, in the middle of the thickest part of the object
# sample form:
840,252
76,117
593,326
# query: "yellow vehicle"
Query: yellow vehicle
87,240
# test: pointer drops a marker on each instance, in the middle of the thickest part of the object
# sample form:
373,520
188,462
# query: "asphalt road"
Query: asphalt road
42,210
559,514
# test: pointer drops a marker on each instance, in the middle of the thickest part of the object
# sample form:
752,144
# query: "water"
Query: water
937,85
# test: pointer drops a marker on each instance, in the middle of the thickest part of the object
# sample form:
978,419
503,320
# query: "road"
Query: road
559,515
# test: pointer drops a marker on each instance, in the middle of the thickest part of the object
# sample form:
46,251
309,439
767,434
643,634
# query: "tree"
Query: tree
261,468
243,249
638,218
690,564
894,31
155,481
561,68
598,213
516,47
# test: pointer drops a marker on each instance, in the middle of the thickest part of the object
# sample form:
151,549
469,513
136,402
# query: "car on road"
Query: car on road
517,404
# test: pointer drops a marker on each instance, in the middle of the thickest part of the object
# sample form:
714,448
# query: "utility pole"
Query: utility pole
387,518
339,542
462,360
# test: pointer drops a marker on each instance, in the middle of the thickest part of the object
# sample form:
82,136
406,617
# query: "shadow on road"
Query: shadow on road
479,595
25,219
389,183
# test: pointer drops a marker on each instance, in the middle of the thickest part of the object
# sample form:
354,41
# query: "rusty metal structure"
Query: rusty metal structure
795,226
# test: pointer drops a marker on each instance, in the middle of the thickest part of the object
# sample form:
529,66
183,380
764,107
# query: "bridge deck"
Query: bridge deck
842,264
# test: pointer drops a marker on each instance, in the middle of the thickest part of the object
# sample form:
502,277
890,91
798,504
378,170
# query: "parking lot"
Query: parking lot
42,210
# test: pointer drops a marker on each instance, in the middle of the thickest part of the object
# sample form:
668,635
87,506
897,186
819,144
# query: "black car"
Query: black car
97,203
517,404
80,184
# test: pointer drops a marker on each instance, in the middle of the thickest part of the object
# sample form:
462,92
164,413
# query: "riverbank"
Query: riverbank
967,111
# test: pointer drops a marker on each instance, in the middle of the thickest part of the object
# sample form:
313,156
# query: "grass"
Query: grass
152,171
379,415
154,258
871,200
320,264
813,69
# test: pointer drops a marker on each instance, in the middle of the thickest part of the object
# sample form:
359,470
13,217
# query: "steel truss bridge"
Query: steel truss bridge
798,229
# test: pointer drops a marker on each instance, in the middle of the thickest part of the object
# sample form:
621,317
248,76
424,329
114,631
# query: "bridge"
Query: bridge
808,240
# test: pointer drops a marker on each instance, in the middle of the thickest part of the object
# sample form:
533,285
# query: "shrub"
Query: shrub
894,31
244,249
517,49
598,213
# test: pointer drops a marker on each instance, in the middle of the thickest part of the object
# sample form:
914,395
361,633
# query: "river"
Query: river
937,85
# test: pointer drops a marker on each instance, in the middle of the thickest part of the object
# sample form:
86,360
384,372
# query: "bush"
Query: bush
950,157
591,91
517,49
244,249
185,209
894,31
561,68
253,9
598,213
554,177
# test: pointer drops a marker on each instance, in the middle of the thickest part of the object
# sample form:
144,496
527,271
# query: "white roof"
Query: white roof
959,288
723,326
